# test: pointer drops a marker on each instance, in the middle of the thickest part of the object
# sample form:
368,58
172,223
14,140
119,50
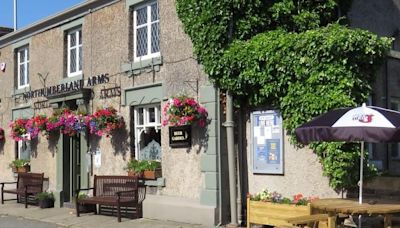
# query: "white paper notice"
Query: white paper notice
97,159
268,132
276,130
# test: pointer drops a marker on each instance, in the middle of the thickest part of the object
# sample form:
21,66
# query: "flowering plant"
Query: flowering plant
1,133
19,131
275,197
104,121
70,123
184,110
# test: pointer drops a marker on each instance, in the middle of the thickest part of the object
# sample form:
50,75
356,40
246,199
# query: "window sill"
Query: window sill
159,182
71,78
22,90
137,67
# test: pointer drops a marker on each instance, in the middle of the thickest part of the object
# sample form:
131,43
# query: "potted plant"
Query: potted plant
152,170
184,110
135,168
45,199
85,208
20,166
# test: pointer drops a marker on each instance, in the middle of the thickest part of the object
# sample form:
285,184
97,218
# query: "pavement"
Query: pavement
13,213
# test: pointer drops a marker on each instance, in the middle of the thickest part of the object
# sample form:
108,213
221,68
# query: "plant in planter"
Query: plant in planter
85,208
70,123
45,199
275,208
20,166
135,167
184,110
152,170
104,122
18,130
40,122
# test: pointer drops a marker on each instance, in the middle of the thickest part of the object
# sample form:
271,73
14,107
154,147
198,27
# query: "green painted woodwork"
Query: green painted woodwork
58,194
71,79
208,163
209,197
211,180
73,24
22,112
129,3
145,94
21,91
66,98
208,94
84,161
137,67
160,182
212,145
21,43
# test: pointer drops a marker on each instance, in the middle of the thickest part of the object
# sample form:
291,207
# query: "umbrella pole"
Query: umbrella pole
361,174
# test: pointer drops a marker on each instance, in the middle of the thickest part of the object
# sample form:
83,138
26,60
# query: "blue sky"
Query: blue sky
30,11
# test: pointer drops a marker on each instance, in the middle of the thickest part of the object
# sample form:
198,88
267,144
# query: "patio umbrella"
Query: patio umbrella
361,124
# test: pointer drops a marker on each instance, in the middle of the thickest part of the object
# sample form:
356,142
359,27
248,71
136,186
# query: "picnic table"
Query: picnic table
351,207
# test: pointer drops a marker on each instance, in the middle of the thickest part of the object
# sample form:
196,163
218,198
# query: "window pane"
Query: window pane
22,56
72,39
27,54
152,115
72,64
154,12
80,58
141,41
155,37
27,73
141,16
80,36
21,75
140,116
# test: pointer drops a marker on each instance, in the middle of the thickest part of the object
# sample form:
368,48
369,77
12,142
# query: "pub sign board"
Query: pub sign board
180,136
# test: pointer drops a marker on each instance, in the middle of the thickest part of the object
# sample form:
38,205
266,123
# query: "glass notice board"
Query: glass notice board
267,142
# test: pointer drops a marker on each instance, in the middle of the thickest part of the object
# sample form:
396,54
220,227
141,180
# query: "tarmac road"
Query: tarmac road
19,222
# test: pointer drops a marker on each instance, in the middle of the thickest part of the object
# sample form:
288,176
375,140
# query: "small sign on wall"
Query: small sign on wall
267,140
180,136
97,158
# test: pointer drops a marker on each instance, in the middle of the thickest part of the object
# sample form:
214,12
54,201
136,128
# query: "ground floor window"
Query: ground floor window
23,150
147,132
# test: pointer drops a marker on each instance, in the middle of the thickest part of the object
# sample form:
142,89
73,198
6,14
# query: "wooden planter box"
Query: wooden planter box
23,169
273,214
46,203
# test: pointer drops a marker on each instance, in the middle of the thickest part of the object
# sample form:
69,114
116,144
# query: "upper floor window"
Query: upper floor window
74,52
146,31
23,67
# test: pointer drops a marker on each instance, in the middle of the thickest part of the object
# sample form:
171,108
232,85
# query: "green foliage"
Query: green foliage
291,55
19,163
44,196
151,165
136,166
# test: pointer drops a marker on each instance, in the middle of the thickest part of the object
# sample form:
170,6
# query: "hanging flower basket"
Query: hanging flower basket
184,110
40,122
104,122
70,123
19,131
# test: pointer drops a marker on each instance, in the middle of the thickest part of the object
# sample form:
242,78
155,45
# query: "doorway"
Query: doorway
71,166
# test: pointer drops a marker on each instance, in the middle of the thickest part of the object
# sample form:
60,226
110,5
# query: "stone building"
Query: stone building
128,54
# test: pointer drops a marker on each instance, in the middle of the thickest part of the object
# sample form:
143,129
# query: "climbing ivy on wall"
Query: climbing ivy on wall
295,55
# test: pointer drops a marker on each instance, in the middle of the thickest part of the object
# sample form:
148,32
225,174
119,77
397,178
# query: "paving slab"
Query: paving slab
66,217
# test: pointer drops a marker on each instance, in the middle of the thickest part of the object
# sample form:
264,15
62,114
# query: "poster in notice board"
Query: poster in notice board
267,141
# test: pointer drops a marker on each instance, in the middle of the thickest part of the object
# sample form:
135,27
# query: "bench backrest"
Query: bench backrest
109,185
33,179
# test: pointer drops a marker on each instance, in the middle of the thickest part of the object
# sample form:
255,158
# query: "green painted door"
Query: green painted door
71,166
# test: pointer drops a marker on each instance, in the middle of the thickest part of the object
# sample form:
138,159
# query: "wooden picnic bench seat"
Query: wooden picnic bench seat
27,184
308,220
118,191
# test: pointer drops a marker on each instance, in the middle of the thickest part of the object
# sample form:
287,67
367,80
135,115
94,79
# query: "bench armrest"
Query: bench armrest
127,191
78,190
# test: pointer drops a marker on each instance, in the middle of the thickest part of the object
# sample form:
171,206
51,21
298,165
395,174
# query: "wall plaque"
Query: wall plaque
180,136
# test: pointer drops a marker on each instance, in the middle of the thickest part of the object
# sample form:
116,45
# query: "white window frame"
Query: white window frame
148,25
74,32
21,146
139,128
24,63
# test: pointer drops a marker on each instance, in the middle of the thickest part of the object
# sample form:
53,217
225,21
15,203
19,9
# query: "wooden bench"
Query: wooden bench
116,191
309,220
27,184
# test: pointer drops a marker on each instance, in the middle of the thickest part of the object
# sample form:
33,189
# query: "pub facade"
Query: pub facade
129,55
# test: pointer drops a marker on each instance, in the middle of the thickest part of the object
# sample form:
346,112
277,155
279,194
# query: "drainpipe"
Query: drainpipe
231,158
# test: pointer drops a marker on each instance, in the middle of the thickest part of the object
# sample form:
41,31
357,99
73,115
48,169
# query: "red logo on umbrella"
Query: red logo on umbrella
365,118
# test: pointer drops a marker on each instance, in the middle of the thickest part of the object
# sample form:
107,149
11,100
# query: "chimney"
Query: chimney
5,30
